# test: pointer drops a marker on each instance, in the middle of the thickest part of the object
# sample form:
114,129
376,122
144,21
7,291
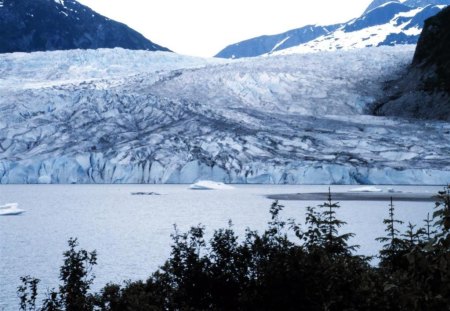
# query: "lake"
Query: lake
131,233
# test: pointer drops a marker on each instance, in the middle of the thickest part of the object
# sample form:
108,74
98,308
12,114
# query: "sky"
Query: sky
204,27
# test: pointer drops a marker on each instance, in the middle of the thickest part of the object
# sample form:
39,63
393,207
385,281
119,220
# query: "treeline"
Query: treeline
315,269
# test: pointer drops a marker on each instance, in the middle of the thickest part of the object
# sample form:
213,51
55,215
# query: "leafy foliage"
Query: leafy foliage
27,293
316,270
73,293
75,275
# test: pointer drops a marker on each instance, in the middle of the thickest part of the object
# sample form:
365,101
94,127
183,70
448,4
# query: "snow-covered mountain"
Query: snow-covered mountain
269,44
390,24
46,25
386,23
163,118
410,3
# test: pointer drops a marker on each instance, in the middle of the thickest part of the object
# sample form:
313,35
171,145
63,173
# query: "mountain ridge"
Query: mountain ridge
269,44
411,3
389,23
47,25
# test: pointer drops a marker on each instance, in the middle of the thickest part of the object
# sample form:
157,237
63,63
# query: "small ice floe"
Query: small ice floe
209,185
366,189
144,193
10,209
392,190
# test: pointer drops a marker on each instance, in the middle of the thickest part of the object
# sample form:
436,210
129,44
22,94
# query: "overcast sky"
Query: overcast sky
204,27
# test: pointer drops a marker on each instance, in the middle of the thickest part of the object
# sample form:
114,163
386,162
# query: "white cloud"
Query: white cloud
203,27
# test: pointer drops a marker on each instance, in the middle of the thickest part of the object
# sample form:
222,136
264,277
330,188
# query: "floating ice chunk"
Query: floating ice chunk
144,193
10,209
392,190
366,189
209,185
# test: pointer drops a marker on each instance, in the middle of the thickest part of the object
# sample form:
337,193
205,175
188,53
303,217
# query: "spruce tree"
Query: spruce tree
413,237
429,230
329,227
395,246
442,216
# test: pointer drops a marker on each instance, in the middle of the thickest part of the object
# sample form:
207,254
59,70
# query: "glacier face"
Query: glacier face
117,116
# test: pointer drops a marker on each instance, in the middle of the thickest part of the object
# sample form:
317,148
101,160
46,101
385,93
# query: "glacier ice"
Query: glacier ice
118,116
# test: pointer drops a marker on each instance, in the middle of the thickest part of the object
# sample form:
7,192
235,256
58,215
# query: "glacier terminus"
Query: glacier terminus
122,116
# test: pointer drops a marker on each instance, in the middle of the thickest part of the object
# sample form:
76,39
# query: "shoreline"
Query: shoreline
355,196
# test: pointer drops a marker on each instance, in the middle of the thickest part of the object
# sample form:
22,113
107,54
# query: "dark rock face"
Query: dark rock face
46,25
424,90
433,52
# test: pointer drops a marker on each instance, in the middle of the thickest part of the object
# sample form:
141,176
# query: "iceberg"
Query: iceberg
209,185
366,189
10,209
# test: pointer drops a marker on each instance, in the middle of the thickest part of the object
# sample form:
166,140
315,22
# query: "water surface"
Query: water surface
131,233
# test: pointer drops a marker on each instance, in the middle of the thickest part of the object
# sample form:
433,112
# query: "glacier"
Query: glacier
120,116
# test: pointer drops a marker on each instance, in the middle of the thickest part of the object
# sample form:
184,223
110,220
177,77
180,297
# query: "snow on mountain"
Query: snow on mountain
47,25
269,44
383,23
390,24
162,118
410,3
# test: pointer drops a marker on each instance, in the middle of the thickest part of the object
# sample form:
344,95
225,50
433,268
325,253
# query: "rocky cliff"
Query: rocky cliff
424,90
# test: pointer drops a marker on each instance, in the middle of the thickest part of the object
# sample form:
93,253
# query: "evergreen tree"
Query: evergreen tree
313,236
412,237
429,231
442,216
329,227
394,248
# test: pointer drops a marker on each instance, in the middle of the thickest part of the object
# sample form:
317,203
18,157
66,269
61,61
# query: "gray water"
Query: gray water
132,233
